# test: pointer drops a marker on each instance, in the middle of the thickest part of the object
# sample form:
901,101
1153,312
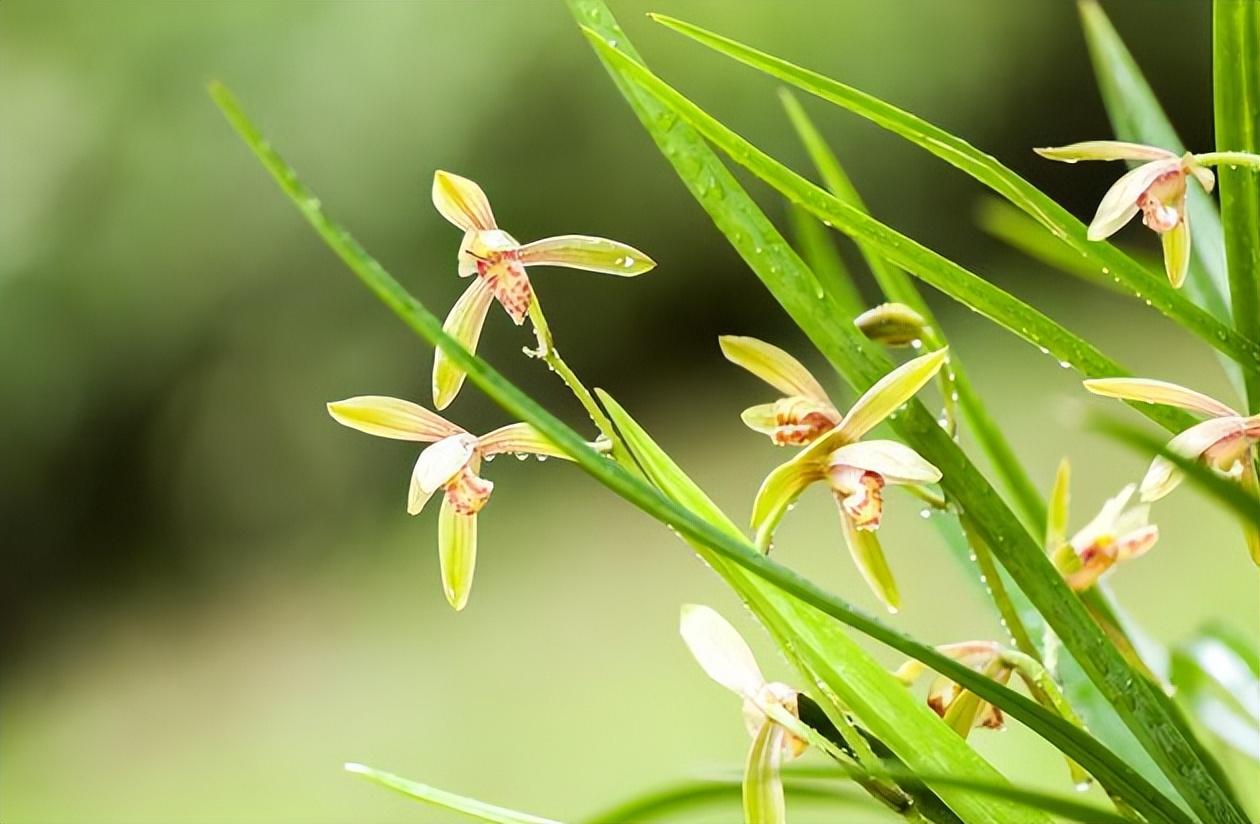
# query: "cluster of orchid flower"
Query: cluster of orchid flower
832,448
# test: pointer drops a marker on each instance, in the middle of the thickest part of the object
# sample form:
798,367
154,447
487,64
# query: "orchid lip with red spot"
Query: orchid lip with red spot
451,463
499,263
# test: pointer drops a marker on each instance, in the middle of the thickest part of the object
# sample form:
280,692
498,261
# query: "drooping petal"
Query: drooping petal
391,418
720,651
1057,512
897,463
773,365
1104,150
1176,243
594,254
888,393
1120,203
1136,543
519,439
763,782
1202,174
436,466
464,324
1153,391
1164,476
457,553
462,202
965,712
779,490
869,556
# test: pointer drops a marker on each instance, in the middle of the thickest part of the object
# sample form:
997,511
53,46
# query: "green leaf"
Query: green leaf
656,804
1236,85
818,250
440,798
1216,676
1021,555
1002,180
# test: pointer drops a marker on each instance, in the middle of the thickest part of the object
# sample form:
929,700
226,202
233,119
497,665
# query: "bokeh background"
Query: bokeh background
212,595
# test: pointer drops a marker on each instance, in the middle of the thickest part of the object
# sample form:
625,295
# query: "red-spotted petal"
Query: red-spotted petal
457,553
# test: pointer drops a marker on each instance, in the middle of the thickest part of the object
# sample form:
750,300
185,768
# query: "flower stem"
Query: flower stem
1228,159
997,589
548,353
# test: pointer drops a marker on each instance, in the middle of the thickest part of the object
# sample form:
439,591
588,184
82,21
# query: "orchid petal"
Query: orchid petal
773,365
1104,150
761,418
464,324
1202,174
1176,243
1153,391
457,553
867,553
519,439
895,462
1107,519
965,712
391,418
779,490
462,202
594,254
1164,476
1136,543
1119,205
720,650
888,393
436,466
1057,512
763,783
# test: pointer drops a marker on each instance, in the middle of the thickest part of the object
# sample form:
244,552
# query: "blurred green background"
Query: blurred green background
212,594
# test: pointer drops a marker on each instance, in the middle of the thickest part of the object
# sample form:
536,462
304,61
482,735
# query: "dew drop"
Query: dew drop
1064,365
490,458
925,513
1044,350
916,344
1106,271
541,458
520,456
1081,786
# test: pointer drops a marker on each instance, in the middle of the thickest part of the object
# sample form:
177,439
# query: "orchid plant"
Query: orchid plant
1136,719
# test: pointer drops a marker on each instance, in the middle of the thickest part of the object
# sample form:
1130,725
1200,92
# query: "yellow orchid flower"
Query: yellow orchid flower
499,262
856,471
726,658
451,463
802,414
1157,189
1119,532
1225,442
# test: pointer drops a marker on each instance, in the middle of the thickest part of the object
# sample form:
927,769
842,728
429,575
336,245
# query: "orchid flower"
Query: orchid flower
856,471
451,463
726,658
1225,442
964,711
499,263
1119,532
1157,189
802,414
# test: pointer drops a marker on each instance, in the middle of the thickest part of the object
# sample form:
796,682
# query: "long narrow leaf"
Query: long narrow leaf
986,169
1014,547
441,798
1236,83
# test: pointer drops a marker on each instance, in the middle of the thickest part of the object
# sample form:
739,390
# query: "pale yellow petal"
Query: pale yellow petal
1119,204
779,490
1164,476
519,439
594,254
1153,391
464,324
888,393
773,365
1104,150
462,202
720,651
1057,512
457,553
391,418
869,556
1176,243
895,462
763,783
761,418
